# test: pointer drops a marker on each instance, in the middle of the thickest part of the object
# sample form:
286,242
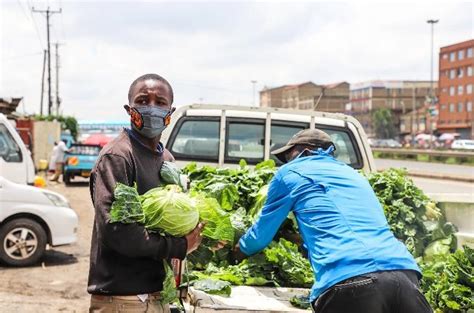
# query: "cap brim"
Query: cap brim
280,153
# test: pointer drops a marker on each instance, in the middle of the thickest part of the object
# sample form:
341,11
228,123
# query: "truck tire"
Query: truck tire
22,242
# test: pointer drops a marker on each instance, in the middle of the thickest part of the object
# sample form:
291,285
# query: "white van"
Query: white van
223,135
16,164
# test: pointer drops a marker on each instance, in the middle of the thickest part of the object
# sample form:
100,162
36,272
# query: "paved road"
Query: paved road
443,186
427,167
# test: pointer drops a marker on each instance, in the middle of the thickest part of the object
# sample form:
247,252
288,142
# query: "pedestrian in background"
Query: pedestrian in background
57,158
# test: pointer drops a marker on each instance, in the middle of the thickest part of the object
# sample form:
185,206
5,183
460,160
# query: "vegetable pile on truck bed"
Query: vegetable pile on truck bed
230,200
412,216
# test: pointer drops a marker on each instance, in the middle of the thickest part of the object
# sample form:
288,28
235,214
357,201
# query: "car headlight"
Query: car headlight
56,200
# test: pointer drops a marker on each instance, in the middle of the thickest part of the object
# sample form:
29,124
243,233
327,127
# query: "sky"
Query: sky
211,52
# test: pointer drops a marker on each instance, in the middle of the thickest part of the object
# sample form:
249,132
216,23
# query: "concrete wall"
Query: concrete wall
459,210
44,135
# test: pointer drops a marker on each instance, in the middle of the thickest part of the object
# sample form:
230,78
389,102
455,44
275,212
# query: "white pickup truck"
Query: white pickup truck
222,136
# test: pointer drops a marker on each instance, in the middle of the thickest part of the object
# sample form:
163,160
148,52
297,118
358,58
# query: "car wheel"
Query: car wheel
67,178
22,241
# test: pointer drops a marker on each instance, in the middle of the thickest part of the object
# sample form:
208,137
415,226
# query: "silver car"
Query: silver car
30,219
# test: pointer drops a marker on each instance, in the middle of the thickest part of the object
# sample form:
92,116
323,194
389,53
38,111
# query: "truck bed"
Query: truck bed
245,299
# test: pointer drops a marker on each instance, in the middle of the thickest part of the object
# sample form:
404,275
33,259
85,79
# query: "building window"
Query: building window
445,55
452,74
469,106
452,91
444,89
460,90
460,106
460,54
469,71
446,73
470,53
460,72
452,56
469,89
443,107
451,107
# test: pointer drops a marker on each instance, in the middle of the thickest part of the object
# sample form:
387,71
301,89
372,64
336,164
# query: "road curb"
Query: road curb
466,179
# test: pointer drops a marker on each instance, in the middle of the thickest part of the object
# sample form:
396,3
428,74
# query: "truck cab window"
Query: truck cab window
197,139
245,141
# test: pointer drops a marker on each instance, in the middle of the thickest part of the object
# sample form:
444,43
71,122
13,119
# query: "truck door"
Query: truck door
12,162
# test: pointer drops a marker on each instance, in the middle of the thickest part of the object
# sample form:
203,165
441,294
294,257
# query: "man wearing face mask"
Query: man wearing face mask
359,266
126,262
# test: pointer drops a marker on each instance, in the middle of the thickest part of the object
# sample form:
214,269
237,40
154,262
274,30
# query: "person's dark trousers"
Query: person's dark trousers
378,292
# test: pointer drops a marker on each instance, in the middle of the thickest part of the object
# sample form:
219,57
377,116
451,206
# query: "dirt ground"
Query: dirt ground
59,282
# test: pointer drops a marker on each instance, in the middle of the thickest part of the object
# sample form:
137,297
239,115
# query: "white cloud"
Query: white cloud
213,50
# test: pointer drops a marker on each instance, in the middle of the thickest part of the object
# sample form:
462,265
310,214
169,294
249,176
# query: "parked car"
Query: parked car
223,135
389,143
464,144
80,160
30,219
15,159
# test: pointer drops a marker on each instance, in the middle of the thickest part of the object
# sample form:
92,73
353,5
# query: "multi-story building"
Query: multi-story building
398,96
456,83
307,96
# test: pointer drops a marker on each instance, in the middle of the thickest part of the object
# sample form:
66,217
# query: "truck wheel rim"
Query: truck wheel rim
20,243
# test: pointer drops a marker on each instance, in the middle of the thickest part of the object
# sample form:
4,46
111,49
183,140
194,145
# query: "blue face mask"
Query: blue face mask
149,121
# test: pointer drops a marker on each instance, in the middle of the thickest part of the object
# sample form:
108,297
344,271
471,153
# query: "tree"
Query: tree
384,123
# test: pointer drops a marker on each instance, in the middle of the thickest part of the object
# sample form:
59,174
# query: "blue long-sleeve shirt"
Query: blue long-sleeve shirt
339,217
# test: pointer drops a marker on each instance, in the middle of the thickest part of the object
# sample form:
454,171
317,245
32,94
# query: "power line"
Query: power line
23,9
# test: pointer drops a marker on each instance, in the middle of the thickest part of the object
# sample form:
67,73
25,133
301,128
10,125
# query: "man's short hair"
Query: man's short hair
147,77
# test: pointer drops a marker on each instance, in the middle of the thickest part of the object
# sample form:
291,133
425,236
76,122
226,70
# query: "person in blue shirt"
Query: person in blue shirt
358,264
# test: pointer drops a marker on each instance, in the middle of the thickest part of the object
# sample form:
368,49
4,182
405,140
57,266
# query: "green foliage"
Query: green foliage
384,123
412,216
169,293
169,210
448,281
67,122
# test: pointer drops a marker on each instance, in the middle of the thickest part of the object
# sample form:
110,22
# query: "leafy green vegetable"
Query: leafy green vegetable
169,293
213,286
412,216
170,210
301,301
170,173
448,281
127,207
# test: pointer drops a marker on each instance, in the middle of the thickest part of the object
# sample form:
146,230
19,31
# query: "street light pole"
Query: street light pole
253,92
432,22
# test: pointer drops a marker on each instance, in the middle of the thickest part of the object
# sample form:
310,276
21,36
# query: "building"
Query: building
8,106
307,96
456,83
398,96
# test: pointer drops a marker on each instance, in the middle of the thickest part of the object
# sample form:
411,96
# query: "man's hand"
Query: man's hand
237,255
220,244
194,238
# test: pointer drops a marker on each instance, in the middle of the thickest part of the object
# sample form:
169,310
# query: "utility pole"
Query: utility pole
253,93
48,14
42,83
58,100
432,97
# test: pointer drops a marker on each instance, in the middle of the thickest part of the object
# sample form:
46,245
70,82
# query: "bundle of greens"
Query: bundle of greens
168,210
448,281
412,216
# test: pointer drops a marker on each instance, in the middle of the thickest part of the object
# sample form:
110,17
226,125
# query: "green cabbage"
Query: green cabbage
170,210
